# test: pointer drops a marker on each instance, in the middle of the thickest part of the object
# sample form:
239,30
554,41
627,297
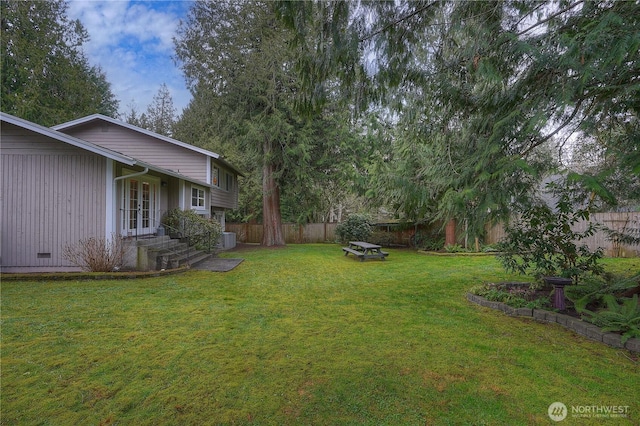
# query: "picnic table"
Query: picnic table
364,250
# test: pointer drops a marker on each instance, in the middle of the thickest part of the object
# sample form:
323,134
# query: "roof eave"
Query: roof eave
172,173
63,137
95,117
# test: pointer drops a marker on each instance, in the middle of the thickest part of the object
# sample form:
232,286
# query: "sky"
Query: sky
132,41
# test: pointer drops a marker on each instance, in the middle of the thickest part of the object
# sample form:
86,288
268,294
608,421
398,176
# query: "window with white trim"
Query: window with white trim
197,198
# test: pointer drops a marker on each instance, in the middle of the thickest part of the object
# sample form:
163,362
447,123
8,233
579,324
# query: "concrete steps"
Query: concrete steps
158,253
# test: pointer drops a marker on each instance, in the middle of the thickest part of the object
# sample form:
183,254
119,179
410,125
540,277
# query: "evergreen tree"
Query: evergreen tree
238,60
132,116
479,87
45,76
235,51
161,114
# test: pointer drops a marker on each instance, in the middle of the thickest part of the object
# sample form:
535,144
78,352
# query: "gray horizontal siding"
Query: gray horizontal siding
146,148
224,199
220,197
48,201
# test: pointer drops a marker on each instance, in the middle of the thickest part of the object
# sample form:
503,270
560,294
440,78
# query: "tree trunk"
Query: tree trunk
271,218
450,233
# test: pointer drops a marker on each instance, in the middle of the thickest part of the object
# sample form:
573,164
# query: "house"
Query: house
98,177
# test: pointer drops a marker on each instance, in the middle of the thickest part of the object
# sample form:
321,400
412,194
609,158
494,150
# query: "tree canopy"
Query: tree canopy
238,60
478,91
160,115
45,76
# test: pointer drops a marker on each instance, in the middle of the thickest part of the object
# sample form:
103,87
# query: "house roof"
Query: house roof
62,137
100,117
172,173
91,147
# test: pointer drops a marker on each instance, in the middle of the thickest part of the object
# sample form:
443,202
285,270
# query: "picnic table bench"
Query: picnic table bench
364,250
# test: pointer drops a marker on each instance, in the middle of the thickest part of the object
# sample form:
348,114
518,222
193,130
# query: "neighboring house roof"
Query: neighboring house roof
96,149
100,117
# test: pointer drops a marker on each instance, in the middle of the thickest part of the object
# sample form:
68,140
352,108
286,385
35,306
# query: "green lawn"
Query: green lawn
298,335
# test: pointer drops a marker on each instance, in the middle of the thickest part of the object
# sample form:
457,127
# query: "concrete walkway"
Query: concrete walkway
216,264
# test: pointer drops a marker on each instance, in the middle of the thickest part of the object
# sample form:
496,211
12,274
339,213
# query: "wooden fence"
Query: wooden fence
628,223
325,232
293,233
315,233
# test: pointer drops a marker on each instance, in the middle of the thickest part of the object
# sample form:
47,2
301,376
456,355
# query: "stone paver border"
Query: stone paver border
583,328
86,276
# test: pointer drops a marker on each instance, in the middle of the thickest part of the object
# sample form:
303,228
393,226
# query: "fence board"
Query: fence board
627,222
293,233
325,232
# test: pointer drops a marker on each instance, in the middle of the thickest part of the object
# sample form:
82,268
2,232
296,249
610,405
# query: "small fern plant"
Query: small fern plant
623,318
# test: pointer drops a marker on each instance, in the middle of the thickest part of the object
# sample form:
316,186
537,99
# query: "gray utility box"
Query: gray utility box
228,240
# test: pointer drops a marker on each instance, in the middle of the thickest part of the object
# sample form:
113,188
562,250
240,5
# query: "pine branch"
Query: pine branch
396,22
566,122
547,19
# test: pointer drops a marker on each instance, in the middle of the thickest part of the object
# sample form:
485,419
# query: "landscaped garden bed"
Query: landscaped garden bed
613,323
570,320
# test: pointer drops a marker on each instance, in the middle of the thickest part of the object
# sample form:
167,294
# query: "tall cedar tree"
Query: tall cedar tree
45,76
238,60
237,51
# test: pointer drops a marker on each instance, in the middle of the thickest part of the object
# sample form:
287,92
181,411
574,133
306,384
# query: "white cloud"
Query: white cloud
133,43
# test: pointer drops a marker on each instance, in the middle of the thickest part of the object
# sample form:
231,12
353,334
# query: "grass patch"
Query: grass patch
298,335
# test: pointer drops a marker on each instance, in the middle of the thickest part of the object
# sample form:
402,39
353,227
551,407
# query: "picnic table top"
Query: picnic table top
364,245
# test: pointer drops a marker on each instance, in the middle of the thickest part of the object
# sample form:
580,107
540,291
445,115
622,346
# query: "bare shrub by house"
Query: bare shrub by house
96,254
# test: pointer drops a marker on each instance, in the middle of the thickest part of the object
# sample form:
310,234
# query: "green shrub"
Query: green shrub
200,232
589,295
618,317
432,240
455,248
355,228
490,248
543,242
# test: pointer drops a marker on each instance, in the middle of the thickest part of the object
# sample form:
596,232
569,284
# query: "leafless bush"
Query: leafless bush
96,254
